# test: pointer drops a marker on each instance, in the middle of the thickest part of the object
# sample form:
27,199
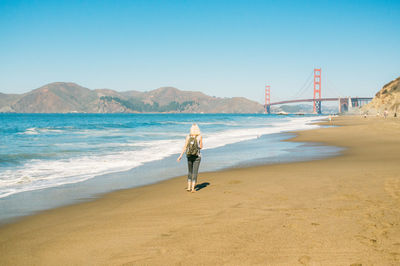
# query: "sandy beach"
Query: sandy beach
343,210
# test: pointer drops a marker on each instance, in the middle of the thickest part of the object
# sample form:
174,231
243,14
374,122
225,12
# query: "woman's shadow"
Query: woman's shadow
201,186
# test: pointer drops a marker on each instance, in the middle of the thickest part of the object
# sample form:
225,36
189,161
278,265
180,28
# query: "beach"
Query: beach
342,210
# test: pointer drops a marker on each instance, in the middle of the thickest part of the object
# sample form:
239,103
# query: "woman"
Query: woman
192,147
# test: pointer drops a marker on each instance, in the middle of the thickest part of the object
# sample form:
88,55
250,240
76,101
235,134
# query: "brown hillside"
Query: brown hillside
6,100
57,97
388,98
64,97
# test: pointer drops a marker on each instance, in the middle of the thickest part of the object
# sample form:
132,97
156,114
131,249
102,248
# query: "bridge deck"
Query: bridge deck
322,100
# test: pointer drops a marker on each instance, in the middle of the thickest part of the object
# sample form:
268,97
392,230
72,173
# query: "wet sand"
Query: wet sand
337,211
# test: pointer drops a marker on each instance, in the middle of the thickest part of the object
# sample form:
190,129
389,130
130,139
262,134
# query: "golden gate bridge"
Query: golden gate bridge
344,103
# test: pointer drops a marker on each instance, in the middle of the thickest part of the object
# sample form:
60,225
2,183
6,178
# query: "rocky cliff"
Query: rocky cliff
64,97
388,98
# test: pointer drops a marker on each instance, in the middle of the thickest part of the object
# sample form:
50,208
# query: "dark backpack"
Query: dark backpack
192,148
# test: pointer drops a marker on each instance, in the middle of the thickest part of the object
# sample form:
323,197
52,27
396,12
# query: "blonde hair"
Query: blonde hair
195,130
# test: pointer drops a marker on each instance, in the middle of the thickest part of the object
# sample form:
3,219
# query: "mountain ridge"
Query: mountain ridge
67,97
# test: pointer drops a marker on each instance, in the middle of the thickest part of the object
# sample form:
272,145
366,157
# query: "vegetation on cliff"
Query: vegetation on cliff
388,98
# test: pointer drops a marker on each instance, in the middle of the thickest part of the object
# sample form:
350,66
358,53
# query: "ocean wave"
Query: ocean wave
237,135
200,123
38,174
37,131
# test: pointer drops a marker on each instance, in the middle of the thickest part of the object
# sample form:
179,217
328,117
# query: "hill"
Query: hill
6,100
388,98
66,97
303,108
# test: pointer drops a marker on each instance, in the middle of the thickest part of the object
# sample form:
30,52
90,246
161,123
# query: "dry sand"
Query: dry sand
336,211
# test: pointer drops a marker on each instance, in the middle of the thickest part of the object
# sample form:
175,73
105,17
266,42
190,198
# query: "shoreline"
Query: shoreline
330,211
265,149
101,181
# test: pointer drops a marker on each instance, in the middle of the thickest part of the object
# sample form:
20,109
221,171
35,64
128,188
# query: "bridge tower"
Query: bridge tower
267,106
317,91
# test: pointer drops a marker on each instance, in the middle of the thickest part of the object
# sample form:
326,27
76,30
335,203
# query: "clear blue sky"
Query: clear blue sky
222,48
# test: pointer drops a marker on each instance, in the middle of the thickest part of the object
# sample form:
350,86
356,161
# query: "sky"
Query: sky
221,48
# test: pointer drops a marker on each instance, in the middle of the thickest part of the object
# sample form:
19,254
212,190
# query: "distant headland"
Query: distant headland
67,97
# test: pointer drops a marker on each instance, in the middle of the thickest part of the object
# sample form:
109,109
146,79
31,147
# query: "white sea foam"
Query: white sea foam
31,131
226,123
237,135
38,174
37,131
52,130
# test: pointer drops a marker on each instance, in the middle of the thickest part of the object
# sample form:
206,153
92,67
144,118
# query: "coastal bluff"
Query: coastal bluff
388,98
67,97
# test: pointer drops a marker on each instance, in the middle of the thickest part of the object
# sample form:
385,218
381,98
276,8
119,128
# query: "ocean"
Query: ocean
48,160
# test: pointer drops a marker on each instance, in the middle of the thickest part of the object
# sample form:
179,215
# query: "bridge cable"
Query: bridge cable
305,86
332,88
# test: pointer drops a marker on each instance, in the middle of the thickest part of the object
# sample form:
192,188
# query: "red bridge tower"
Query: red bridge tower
267,105
317,91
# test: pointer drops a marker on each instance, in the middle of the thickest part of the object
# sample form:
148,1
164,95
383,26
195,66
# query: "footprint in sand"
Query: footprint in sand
392,187
366,240
304,260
